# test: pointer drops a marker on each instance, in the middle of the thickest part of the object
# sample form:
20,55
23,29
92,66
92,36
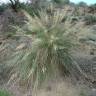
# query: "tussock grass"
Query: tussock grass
49,50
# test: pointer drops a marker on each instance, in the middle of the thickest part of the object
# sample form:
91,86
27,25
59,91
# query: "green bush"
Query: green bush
29,8
90,19
3,7
83,93
61,1
4,93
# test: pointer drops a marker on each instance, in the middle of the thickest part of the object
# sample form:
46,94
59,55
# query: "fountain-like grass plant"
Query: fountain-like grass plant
49,51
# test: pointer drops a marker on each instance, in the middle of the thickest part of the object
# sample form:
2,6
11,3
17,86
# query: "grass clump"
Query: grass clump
49,50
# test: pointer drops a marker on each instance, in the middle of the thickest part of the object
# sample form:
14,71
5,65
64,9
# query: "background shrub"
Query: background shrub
90,19
4,93
3,7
